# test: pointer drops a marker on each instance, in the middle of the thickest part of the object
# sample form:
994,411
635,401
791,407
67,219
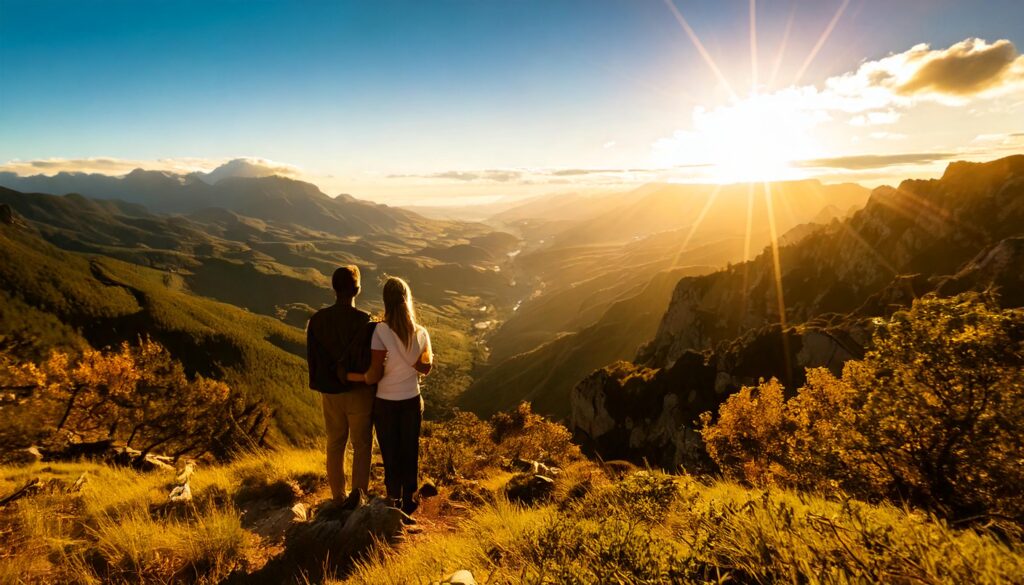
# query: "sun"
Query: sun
760,138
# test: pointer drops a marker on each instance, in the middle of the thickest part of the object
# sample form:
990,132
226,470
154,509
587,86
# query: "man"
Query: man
335,340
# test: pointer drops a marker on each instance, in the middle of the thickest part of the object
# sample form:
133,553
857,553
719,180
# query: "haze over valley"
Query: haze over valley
658,291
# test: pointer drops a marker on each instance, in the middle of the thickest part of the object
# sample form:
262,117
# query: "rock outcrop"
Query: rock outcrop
722,330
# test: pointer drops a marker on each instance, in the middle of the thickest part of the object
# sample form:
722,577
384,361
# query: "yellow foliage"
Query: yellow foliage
137,394
933,415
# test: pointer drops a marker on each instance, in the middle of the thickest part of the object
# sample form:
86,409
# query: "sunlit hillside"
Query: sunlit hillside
535,292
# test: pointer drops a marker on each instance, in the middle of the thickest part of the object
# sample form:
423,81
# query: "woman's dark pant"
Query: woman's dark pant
397,423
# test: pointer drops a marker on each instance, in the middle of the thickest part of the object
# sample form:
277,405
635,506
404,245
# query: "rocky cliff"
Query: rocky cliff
964,231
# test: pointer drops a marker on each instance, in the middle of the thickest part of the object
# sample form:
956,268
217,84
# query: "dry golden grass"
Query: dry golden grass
118,529
653,528
646,527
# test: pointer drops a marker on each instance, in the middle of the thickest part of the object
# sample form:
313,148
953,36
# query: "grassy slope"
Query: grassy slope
113,526
647,528
268,268
104,301
718,532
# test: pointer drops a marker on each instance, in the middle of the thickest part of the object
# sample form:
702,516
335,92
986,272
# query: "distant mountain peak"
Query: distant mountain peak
247,168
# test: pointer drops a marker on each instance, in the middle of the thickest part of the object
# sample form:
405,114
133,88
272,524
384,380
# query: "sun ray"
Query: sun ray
696,224
753,46
782,47
746,248
821,41
777,268
776,262
913,207
871,249
750,222
700,48
787,206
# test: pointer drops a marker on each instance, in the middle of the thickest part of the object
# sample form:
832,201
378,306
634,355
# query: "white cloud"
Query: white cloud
781,124
888,136
876,118
972,68
251,167
105,165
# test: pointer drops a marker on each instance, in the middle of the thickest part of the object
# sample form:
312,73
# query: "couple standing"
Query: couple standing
368,376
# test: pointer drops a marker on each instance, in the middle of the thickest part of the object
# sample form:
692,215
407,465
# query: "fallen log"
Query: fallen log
31,486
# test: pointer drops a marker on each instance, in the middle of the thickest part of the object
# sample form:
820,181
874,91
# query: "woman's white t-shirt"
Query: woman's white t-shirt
400,381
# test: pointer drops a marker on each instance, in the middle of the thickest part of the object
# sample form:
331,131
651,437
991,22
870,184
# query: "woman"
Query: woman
399,353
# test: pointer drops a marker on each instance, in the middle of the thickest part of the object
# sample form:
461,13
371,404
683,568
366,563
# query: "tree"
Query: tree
138,395
943,403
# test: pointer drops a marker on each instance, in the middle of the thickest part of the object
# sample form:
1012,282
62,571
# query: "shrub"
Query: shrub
933,415
522,433
463,446
748,436
458,447
570,550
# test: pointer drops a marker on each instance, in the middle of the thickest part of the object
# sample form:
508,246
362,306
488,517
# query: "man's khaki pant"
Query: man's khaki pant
347,416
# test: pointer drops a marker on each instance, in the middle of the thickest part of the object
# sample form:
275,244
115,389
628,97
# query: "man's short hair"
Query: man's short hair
346,281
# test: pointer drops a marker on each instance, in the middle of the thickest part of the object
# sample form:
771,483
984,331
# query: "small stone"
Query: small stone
428,489
460,577
527,489
181,493
526,465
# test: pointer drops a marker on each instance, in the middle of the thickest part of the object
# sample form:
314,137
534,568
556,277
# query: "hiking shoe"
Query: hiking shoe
353,501
410,506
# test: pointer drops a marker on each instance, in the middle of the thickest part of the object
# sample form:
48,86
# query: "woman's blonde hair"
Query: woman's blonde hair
399,313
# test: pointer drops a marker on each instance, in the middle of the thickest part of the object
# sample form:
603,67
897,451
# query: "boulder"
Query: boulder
335,535
275,524
534,467
374,521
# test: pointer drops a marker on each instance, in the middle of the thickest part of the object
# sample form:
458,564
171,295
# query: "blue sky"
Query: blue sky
383,98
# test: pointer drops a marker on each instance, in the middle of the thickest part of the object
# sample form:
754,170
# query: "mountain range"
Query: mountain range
625,313
229,288
604,273
813,308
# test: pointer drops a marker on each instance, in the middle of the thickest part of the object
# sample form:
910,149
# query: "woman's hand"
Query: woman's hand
376,371
424,364
355,377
